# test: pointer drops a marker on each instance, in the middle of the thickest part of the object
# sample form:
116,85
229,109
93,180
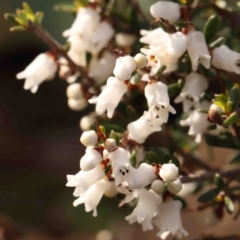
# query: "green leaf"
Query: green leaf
174,89
107,169
233,118
29,11
229,204
233,97
224,140
235,159
135,79
115,137
102,128
152,158
66,47
10,17
217,43
38,18
219,181
88,58
210,28
64,7
22,18
222,98
17,29
116,128
133,159
209,195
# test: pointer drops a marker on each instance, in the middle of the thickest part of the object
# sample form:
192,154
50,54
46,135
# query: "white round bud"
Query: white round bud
90,160
158,186
77,105
125,39
110,144
86,122
140,60
105,154
167,10
215,107
111,190
89,138
104,235
175,187
169,172
74,91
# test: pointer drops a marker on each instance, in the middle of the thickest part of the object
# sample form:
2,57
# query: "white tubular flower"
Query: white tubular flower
147,205
84,180
42,68
101,36
126,190
157,97
106,101
140,129
93,196
198,50
154,38
158,186
169,220
125,39
124,68
101,68
90,160
226,59
194,85
169,172
197,121
177,44
175,187
86,122
86,21
167,10
153,60
89,138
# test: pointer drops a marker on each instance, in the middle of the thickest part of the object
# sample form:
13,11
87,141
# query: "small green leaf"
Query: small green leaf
229,204
152,158
224,140
217,43
66,47
133,159
209,195
17,29
115,137
29,11
135,79
22,18
10,17
88,58
107,169
65,7
233,97
210,28
116,128
38,18
173,89
235,159
221,98
219,181
233,118
102,128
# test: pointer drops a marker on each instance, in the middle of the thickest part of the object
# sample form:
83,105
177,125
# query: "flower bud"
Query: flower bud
140,60
86,122
111,191
74,91
110,144
158,186
124,39
175,187
124,68
89,138
169,172
90,160
167,10
77,105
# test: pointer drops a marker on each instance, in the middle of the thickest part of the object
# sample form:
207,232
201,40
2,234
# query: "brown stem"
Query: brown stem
53,44
209,176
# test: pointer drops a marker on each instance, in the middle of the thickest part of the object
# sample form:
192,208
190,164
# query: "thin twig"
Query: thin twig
209,176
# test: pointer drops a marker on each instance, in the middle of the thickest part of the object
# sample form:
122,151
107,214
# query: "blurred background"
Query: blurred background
39,146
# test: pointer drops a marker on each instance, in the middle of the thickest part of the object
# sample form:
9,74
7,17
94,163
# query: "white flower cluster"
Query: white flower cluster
104,162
